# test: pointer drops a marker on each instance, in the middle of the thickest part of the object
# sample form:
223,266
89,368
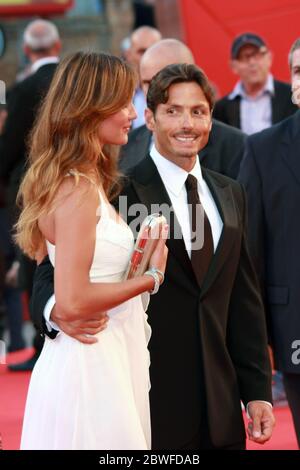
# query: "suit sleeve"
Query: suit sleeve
237,149
249,177
246,329
43,289
17,126
219,111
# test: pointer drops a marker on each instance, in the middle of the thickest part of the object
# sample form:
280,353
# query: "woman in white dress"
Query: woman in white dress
87,396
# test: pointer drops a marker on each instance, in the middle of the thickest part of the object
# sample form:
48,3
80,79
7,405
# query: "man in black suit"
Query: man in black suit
42,46
225,147
257,101
208,346
270,172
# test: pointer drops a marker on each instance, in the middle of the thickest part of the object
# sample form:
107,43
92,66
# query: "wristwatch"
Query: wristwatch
154,273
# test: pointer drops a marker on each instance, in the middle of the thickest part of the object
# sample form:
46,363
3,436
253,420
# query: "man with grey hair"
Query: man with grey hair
39,37
225,147
140,40
270,172
42,45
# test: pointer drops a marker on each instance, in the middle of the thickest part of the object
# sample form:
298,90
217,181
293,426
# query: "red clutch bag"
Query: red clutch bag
145,245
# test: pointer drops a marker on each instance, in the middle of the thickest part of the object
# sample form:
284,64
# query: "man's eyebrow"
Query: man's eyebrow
203,104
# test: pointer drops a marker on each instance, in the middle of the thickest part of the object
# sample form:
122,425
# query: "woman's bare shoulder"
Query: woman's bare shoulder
75,194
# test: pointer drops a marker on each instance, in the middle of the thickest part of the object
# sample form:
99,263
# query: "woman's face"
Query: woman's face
114,129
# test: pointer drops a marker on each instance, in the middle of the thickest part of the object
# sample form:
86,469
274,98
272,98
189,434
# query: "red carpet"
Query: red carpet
13,391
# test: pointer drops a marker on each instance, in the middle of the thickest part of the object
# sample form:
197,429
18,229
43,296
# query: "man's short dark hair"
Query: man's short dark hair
158,92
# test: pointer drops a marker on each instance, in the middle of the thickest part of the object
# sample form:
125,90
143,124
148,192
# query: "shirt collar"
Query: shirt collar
44,61
240,91
173,176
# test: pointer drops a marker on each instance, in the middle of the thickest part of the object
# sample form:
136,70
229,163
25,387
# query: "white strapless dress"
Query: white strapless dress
95,396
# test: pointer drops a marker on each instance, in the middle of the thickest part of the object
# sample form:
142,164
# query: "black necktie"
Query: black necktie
202,241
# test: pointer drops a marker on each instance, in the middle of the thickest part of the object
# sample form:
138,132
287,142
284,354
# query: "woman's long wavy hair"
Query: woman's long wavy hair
86,89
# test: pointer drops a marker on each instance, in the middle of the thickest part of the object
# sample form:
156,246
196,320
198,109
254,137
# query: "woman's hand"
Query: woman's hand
159,257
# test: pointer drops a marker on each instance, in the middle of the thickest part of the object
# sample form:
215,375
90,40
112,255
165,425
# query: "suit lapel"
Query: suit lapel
224,200
151,191
276,103
290,144
234,112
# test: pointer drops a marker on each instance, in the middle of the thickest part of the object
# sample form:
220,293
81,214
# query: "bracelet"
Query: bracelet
155,270
154,274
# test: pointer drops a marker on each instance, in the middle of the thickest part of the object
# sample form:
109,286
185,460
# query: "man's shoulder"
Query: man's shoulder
136,148
270,136
41,77
282,87
138,133
221,179
223,101
219,128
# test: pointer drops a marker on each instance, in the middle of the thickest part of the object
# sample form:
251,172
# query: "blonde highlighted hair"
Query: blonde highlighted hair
86,89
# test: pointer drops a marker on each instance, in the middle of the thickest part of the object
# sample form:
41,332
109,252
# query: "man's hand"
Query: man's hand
82,330
260,428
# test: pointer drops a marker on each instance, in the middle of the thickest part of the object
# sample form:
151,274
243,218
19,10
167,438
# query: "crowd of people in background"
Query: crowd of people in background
254,140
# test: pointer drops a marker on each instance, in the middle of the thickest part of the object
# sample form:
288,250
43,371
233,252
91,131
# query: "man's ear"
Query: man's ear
234,66
270,58
149,119
26,50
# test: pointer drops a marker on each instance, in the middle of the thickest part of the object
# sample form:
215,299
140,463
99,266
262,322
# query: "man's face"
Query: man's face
139,44
253,65
295,77
148,69
181,126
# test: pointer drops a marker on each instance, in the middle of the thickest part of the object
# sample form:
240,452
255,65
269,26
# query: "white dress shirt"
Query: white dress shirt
255,112
43,61
174,179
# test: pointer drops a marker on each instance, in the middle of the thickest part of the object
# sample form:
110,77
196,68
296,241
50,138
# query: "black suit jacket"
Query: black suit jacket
223,152
228,111
270,172
23,103
208,345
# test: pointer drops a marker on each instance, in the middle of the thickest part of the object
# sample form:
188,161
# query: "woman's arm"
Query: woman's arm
75,222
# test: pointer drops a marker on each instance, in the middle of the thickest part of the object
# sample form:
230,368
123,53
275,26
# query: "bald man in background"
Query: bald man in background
225,147
140,40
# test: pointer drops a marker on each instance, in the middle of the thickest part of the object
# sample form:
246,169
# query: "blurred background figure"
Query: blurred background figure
225,147
140,40
42,46
257,100
10,302
144,13
270,172
124,48
11,312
